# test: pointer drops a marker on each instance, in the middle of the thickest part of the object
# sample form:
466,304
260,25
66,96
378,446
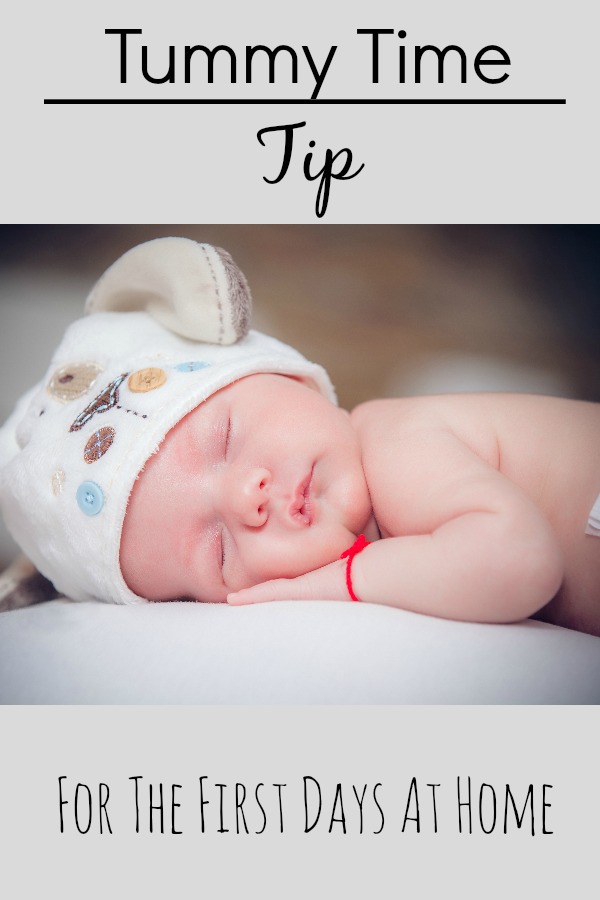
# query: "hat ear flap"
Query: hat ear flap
193,289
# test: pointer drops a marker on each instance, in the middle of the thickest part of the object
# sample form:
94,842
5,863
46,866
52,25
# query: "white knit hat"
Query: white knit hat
166,327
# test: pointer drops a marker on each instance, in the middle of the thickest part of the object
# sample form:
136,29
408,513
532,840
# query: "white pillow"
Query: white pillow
287,653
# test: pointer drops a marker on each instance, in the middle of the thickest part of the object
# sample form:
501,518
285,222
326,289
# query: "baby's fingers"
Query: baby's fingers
279,589
326,583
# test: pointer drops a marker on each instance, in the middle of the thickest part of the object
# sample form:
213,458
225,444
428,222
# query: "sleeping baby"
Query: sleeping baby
171,453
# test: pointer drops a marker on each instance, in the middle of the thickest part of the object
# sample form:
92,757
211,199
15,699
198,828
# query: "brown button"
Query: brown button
71,382
98,444
146,380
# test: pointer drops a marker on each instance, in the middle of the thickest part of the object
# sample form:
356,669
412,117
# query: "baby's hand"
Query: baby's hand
326,583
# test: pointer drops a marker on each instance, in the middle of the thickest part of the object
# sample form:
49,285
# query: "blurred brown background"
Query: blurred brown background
388,310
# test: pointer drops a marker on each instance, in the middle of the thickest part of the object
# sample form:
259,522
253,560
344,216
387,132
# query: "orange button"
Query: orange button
146,380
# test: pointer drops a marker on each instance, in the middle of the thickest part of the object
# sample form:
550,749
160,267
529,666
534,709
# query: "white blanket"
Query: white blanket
285,653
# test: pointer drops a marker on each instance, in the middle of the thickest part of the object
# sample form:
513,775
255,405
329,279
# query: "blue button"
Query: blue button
90,498
192,366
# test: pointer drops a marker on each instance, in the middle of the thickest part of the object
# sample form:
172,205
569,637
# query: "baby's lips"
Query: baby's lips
300,509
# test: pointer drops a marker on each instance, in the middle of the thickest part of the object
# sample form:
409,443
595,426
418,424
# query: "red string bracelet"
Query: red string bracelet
359,544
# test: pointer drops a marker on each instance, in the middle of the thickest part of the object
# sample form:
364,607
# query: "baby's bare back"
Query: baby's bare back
550,448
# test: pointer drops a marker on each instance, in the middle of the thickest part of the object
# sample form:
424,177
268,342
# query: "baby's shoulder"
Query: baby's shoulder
414,427
408,412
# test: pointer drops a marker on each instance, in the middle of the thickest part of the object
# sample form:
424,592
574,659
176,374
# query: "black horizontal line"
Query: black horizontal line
409,101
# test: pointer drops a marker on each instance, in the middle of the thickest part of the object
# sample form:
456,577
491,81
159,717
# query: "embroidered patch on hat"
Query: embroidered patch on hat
72,381
98,444
146,380
102,403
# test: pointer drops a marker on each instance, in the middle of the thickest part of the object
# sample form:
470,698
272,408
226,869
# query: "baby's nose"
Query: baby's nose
250,496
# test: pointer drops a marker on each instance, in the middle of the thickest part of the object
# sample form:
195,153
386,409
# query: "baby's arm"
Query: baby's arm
460,540
466,542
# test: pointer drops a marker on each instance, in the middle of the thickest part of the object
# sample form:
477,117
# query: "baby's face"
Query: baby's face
263,480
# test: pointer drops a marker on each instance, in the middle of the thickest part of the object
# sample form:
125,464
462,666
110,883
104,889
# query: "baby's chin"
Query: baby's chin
326,552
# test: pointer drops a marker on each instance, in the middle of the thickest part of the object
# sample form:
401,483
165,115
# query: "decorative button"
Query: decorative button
98,444
71,382
90,498
58,482
146,380
192,366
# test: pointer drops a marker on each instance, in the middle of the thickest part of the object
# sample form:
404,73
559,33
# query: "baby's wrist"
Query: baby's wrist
352,565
